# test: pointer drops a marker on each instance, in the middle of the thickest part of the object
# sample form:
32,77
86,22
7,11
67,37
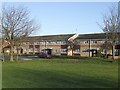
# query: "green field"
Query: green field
60,73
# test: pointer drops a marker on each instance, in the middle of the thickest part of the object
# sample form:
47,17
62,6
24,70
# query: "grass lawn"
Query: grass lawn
60,73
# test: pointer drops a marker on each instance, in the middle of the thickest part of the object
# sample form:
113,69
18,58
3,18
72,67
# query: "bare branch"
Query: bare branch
16,24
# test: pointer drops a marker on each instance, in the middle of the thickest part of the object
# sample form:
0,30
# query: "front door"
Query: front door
94,53
21,51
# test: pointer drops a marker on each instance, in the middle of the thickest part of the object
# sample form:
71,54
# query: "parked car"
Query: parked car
44,55
104,55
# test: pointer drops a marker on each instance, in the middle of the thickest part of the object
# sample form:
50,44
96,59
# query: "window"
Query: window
53,42
86,41
63,50
77,51
48,42
36,49
30,49
63,42
58,42
102,41
42,42
36,43
93,41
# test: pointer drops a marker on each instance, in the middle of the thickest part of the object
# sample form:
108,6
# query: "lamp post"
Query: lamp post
45,46
89,47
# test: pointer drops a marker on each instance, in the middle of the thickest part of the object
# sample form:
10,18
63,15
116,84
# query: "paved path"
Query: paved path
26,57
22,57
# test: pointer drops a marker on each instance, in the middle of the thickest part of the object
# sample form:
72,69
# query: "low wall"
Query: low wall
115,57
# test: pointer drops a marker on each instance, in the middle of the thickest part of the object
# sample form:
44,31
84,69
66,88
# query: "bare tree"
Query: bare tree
111,28
16,24
72,45
18,42
2,39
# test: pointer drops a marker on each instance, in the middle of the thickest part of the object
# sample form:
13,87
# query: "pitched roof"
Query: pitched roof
65,37
92,36
49,37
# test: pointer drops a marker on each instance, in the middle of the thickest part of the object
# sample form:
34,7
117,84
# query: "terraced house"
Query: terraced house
65,44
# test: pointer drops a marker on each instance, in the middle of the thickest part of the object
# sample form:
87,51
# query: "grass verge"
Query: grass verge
60,73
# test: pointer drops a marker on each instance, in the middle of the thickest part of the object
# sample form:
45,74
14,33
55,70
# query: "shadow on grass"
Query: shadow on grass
29,78
68,57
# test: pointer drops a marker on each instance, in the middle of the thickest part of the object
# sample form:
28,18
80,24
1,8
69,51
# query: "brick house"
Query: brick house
58,44
87,44
5,45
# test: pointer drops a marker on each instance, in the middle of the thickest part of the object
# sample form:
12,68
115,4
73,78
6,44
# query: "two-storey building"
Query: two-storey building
85,44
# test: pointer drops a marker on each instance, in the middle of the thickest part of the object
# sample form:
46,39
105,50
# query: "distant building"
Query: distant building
87,44
4,44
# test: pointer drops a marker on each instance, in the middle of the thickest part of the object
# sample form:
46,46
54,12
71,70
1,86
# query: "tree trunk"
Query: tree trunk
3,58
3,55
17,55
106,51
72,52
11,53
113,49
118,52
106,56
